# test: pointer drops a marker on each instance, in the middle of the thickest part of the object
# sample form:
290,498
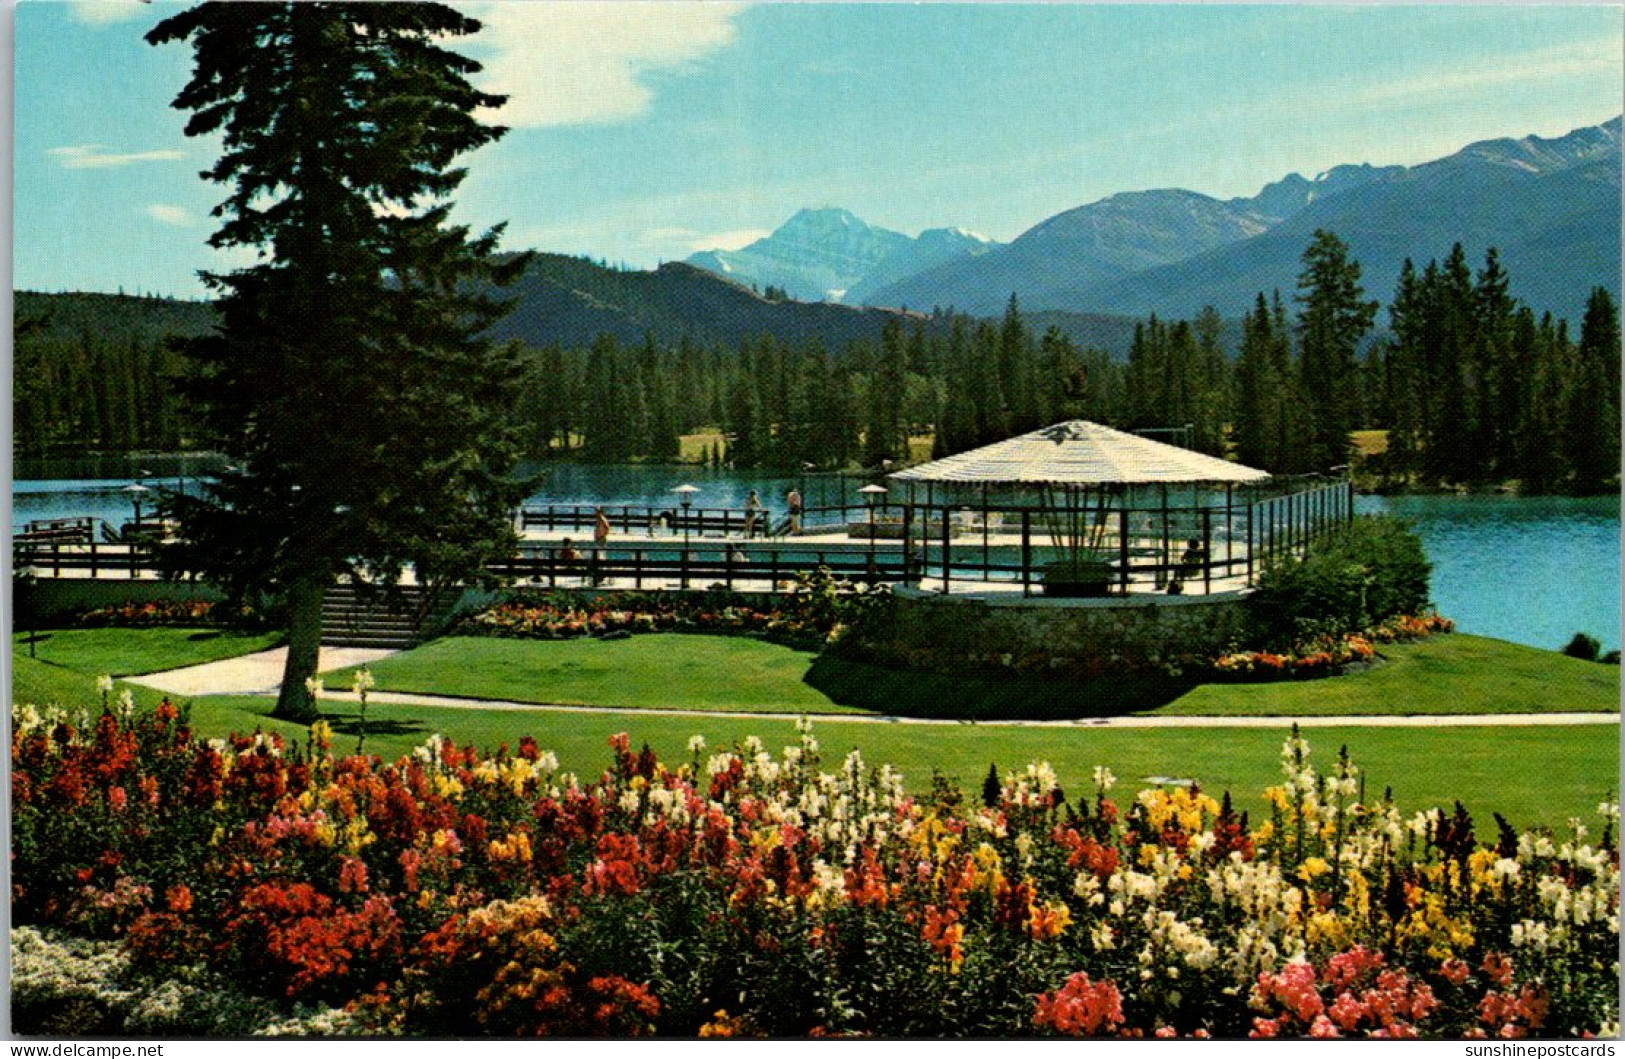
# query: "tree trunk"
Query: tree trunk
294,702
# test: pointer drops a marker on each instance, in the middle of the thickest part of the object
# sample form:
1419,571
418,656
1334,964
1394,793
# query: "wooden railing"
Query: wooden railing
650,521
771,569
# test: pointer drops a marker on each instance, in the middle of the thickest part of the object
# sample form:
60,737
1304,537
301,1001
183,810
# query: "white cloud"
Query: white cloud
103,12
169,214
582,63
732,240
1545,64
96,156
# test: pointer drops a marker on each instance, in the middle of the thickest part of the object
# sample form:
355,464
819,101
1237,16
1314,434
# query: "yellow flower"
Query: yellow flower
1312,868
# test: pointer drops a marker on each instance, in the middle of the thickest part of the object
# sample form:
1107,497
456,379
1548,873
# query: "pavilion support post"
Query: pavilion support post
947,530
1207,552
1162,573
1249,542
1229,528
1122,550
1269,528
908,536
985,556
1026,553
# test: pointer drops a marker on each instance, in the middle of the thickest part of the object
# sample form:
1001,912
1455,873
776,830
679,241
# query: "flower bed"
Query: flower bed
818,612
173,612
1326,656
741,892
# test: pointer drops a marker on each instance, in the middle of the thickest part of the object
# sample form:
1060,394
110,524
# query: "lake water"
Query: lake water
1534,571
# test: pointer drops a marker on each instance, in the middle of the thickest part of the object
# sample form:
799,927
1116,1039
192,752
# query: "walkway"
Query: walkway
255,674
258,674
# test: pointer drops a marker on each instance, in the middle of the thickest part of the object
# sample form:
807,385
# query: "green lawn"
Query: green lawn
1445,674
1452,674
1531,775
43,684
130,652
664,669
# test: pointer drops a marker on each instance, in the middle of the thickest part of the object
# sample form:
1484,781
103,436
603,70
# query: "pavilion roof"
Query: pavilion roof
1079,453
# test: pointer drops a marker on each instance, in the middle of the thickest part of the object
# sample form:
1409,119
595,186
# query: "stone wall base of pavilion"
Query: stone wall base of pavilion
1075,638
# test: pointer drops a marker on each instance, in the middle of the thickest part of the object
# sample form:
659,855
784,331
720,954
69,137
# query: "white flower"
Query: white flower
547,761
363,680
315,688
104,684
1104,780
696,743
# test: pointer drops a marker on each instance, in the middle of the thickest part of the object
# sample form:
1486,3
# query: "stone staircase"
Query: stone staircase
395,623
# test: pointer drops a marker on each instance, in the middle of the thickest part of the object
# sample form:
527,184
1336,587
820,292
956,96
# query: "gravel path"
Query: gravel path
256,674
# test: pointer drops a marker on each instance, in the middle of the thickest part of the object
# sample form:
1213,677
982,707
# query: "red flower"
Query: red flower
1080,1008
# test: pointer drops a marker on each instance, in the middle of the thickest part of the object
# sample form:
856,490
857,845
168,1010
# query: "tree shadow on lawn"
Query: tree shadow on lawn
1006,697
350,724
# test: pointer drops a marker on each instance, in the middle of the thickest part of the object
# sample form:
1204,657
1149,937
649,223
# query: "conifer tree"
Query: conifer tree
347,377
1593,412
1333,318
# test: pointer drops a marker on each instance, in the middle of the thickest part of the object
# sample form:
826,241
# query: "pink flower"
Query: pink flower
1080,1008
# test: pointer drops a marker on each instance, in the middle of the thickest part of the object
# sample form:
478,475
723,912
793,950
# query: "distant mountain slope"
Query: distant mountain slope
572,301
1551,206
1106,239
832,255
564,300
68,316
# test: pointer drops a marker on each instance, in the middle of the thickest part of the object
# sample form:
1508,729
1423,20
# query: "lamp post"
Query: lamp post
685,496
136,490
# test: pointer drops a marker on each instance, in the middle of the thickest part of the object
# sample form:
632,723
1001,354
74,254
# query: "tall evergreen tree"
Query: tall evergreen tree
347,377
1333,318
1593,412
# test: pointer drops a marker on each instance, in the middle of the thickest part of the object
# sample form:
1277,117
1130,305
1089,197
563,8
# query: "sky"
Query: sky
642,132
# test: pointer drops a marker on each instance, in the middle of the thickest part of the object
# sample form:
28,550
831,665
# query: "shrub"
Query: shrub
1583,646
1371,570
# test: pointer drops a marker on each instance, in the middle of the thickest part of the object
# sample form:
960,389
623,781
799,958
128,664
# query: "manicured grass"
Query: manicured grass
43,684
1452,674
1531,775
690,672
129,652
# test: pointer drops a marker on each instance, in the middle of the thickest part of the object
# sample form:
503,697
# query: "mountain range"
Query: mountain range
1551,207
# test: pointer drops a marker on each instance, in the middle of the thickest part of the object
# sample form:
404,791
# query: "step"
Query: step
384,621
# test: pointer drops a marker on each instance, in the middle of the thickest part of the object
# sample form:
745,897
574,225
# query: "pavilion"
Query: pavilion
1123,512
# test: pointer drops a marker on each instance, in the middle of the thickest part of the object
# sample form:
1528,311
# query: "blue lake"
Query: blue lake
1534,571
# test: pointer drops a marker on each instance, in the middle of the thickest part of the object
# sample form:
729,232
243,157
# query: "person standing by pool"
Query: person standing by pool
793,502
600,541
753,512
